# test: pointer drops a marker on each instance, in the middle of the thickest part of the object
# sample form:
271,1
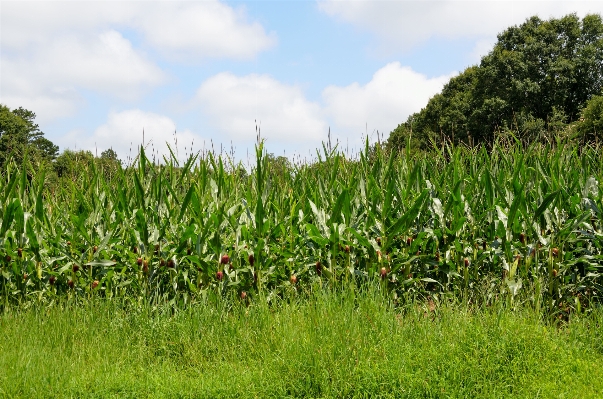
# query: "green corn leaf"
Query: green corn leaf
315,235
185,202
9,216
548,200
34,244
342,205
404,222
9,188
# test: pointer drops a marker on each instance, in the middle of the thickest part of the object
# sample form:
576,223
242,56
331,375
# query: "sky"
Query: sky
207,75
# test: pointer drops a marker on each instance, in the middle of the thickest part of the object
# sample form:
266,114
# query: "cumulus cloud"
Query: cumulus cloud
123,132
50,79
405,24
233,104
200,30
56,50
194,30
393,93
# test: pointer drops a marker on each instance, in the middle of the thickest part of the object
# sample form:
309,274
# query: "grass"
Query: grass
325,345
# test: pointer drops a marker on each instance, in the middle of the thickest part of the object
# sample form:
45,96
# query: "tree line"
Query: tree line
541,82
21,139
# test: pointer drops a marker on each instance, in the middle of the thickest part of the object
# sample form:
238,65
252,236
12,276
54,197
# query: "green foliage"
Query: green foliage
536,73
401,137
73,163
590,127
325,345
19,134
109,154
512,225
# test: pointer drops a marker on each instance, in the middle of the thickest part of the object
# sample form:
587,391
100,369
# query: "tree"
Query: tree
19,134
72,163
537,73
279,165
109,154
590,126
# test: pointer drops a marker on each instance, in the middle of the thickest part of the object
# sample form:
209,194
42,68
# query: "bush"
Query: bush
590,127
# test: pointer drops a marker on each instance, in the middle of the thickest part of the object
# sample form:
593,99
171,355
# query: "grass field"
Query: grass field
327,345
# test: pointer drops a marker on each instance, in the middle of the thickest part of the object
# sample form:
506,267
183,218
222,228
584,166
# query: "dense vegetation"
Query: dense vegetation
511,224
329,345
514,216
541,81
19,134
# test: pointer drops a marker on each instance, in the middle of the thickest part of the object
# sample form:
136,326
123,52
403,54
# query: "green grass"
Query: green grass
324,346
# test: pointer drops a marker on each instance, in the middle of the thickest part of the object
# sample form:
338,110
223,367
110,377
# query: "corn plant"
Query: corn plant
508,224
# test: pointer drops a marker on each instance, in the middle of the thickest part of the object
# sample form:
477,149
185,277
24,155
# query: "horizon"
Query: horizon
98,73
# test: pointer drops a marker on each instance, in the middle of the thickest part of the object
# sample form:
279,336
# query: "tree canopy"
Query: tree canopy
20,134
538,75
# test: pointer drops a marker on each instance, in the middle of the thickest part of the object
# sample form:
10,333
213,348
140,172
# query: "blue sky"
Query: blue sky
98,73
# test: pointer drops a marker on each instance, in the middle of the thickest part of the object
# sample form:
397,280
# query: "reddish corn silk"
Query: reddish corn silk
225,259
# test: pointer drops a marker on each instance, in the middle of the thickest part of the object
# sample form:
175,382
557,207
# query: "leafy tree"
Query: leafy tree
279,165
72,163
590,126
537,74
109,163
109,154
19,134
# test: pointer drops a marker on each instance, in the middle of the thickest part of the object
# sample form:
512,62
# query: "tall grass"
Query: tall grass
512,225
328,345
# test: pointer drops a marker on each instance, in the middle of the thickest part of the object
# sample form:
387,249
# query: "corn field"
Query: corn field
509,224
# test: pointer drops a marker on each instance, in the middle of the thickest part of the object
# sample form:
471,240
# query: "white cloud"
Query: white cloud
52,51
233,104
405,24
50,79
393,93
193,30
200,30
123,132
